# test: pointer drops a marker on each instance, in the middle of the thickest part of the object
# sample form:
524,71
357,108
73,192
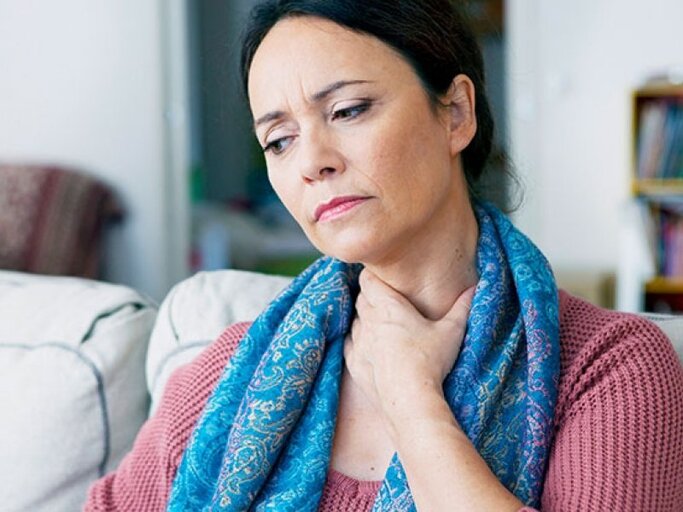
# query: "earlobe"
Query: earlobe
462,116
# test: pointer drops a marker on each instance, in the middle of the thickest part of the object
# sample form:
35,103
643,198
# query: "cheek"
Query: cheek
386,158
287,191
402,156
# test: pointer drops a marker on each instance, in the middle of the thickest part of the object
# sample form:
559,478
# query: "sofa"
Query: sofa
83,364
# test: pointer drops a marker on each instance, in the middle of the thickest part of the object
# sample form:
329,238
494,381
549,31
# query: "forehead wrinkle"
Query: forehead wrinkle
316,98
302,73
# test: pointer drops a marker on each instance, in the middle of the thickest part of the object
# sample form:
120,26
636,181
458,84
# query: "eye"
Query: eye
277,146
351,112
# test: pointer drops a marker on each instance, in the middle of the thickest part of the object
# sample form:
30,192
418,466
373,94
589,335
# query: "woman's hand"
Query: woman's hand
396,355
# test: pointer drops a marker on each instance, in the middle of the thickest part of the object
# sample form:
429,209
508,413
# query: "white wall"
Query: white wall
82,84
571,68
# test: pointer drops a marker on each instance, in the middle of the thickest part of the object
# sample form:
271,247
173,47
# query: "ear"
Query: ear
460,102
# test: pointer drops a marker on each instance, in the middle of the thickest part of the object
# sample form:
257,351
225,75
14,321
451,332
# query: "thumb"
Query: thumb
460,310
377,291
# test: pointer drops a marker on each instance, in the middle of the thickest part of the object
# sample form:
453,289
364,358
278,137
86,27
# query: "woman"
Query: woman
444,375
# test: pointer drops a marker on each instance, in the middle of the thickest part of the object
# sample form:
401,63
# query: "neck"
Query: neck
435,266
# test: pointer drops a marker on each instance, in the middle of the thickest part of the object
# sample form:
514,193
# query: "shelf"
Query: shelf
673,285
656,145
657,90
657,185
658,188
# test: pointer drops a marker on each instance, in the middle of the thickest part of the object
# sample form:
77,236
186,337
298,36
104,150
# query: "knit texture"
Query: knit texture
618,424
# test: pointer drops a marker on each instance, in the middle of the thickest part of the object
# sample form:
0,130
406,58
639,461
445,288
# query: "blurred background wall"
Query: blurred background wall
145,95
83,84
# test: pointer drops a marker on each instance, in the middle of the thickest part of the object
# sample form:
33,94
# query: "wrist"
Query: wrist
408,389
416,412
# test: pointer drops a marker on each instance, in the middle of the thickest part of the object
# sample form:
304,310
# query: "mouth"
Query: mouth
337,207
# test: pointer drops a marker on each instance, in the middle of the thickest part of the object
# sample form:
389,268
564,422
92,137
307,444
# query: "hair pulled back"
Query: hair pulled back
432,35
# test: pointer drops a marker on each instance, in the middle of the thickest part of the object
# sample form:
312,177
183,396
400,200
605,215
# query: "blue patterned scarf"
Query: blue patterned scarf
264,439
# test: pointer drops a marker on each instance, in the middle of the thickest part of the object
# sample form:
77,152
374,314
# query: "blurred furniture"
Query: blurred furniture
268,240
72,385
79,360
52,220
596,287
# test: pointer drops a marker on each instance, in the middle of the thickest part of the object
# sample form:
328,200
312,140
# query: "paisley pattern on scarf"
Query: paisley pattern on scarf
264,439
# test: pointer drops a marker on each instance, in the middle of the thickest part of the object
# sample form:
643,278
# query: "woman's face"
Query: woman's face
354,149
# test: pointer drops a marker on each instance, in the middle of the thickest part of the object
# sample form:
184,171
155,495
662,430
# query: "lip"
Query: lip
337,206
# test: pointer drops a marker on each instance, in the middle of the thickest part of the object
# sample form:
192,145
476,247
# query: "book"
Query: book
650,135
660,140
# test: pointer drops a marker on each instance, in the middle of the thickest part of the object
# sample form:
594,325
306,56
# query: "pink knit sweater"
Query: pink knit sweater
618,443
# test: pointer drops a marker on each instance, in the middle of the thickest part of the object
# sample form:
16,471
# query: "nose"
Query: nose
320,156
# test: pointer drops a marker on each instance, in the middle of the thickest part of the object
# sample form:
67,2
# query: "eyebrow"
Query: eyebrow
316,98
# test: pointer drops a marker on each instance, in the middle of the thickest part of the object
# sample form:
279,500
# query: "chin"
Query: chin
341,253
360,241
351,249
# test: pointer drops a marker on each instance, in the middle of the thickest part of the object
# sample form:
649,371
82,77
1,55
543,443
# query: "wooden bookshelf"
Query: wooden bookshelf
657,180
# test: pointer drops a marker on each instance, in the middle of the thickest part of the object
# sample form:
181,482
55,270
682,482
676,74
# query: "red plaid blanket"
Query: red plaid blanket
51,220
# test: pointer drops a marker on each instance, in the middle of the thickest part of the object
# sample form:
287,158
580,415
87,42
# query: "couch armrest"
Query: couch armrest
72,385
196,311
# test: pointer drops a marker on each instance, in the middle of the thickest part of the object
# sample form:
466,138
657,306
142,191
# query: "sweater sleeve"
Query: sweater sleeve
619,422
143,480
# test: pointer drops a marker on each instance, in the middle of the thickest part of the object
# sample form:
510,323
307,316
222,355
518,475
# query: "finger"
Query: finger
353,359
362,303
349,350
460,310
355,329
348,345
377,291
365,280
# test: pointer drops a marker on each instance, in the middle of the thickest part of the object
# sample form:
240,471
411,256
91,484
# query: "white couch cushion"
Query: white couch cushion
196,311
72,388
